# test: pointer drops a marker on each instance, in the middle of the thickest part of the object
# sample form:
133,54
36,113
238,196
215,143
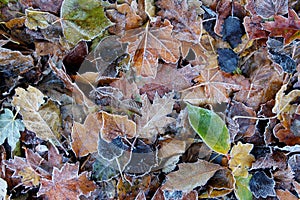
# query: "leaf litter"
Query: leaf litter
149,99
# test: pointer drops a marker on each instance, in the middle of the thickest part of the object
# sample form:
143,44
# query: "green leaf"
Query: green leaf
10,128
210,127
242,190
36,19
83,19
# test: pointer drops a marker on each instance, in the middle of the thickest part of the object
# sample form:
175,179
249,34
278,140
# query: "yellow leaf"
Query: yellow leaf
241,159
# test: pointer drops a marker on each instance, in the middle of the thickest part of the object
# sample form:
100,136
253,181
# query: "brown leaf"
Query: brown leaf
273,160
285,195
214,86
269,8
116,125
184,17
154,116
241,159
85,136
51,5
66,184
254,28
288,28
190,175
147,45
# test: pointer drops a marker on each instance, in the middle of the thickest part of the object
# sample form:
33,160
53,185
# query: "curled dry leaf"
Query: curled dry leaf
241,159
190,175
66,183
43,118
147,45
85,136
116,125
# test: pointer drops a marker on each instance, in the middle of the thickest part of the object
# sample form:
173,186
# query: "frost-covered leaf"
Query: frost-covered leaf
3,187
147,45
154,116
104,170
43,118
242,190
66,183
261,185
82,20
228,60
184,17
241,159
37,19
85,136
269,8
210,127
288,28
116,125
190,175
10,128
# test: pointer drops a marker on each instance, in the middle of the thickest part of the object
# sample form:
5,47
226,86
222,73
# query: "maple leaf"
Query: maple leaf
241,159
10,128
43,118
154,116
288,28
214,86
187,24
116,125
29,169
85,136
190,175
148,44
66,183
269,8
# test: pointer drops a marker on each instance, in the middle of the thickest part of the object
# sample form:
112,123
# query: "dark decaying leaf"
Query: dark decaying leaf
261,185
232,31
228,60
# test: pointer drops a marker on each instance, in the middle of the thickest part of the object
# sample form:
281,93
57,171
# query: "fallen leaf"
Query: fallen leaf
85,136
228,60
116,125
66,183
104,170
190,175
3,188
261,185
213,86
10,128
254,29
293,162
288,28
273,160
82,20
241,159
50,6
210,127
29,169
43,118
269,8
147,45
154,116
37,19
183,16
285,195
242,190
220,184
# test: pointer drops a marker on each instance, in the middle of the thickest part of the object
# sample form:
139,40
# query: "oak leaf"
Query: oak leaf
147,45
85,136
10,128
241,159
190,175
288,28
43,118
66,183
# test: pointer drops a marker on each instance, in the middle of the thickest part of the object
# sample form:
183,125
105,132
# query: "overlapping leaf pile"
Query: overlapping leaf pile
145,99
